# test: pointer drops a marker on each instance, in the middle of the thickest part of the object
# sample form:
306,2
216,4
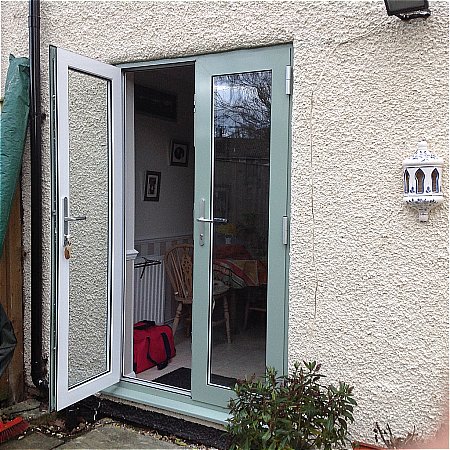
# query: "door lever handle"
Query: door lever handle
213,220
68,218
202,219
74,219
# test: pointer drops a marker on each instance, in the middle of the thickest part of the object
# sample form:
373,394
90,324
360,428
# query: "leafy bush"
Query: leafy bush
290,412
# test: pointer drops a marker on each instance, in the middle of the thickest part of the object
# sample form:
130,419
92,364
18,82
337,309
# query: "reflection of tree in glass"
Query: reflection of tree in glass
242,104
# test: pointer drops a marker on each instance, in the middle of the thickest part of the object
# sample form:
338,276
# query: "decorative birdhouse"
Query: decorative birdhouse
422,180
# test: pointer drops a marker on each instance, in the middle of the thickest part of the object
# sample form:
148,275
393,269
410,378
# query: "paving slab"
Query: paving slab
104,434
115,437
28,409
34,440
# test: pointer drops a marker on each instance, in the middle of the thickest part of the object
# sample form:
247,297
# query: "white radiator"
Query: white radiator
149,289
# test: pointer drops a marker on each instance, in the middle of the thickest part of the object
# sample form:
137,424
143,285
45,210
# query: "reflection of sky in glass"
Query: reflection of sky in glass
242,104
242,107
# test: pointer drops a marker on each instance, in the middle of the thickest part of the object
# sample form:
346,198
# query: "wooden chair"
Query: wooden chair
221,290
178,263
256,301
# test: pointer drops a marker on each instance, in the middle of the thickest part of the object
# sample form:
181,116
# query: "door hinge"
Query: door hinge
285,230
194,103
288,80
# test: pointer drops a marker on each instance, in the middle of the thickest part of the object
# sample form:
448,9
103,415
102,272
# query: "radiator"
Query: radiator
149,289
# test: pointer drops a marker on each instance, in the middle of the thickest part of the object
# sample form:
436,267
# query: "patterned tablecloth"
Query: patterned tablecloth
243,272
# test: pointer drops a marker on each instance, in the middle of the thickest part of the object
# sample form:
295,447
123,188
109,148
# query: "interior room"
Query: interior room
164,201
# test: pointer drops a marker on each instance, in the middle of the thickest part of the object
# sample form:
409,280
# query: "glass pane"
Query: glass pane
242,108
89,297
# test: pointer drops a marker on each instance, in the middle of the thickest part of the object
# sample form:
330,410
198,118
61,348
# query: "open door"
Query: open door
88,226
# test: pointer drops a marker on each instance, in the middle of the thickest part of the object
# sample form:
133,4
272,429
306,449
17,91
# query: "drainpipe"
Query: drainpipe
37,363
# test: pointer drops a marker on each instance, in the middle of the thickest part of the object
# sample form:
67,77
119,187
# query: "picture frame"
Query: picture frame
152,102
152,186
179,154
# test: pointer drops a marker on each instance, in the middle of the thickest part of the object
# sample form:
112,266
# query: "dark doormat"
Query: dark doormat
181,378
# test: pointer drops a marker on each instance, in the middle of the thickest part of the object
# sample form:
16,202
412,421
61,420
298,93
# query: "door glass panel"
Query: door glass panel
241,168
89,296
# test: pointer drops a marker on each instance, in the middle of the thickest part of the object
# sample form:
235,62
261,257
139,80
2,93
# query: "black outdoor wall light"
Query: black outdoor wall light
408,9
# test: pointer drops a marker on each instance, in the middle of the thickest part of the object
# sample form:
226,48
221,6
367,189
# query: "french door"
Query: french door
240,215
88,225
240,221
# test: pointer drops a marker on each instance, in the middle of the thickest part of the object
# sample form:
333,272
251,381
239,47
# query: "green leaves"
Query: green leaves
290,412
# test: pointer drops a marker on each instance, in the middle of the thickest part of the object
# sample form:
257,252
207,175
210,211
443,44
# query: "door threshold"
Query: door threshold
154,385
180,404
207,434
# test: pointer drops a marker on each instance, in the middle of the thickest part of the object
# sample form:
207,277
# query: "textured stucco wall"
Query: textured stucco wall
368,282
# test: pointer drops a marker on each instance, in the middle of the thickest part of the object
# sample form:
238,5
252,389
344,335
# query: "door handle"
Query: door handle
68,219
202,219
213,220
74,219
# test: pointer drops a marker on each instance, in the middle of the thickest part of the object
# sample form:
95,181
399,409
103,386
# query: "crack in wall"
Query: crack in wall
338,44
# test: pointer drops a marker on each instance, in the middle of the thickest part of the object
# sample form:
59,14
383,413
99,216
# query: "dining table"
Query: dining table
241,272
245,275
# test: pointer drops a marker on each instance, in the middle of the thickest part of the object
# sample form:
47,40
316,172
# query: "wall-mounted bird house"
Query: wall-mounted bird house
422,180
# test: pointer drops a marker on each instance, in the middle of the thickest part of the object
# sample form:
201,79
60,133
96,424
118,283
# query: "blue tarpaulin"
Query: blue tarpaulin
13,130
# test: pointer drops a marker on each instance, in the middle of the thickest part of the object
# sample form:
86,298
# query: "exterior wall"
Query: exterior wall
368,282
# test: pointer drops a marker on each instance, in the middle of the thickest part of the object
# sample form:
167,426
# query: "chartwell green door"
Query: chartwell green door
241,125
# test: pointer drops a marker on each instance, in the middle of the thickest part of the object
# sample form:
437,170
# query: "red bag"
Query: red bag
153,345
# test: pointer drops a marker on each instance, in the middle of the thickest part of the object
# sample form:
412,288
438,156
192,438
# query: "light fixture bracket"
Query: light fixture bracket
415,15
408,9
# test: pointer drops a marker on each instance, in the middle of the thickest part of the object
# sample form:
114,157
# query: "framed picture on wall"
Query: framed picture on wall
179,153
152,186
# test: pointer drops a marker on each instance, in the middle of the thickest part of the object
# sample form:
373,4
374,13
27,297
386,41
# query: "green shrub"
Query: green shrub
290,412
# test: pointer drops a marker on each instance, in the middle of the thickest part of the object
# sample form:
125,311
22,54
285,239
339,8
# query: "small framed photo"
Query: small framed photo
152,186
179,154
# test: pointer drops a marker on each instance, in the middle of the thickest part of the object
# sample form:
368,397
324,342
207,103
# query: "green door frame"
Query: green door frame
275,59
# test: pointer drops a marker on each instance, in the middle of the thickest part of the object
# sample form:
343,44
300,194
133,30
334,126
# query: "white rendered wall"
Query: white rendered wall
368,282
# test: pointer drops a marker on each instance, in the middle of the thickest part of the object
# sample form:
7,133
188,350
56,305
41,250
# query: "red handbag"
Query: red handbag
153,345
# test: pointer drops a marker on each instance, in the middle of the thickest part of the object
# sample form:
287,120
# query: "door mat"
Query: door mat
181,378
